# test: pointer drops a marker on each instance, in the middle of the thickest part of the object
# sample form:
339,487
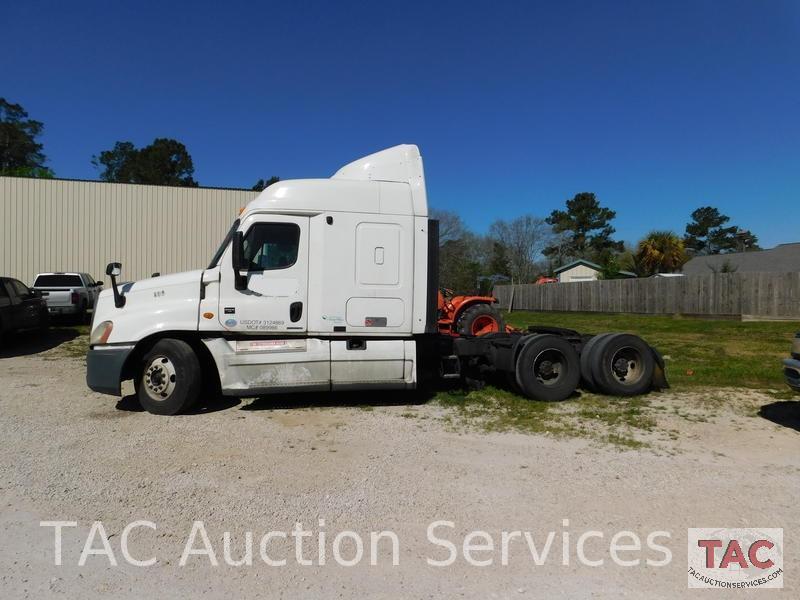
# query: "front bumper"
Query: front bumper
104,366
791,370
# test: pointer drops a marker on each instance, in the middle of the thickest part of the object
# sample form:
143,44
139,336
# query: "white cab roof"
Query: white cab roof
389,182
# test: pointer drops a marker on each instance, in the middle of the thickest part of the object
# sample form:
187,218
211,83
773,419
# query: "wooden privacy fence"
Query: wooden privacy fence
758,295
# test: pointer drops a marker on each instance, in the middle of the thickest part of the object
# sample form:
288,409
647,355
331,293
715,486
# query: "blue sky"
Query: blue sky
658,108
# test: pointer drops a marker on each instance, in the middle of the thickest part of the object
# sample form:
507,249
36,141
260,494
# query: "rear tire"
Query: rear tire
548,368
587,379
480,319
170,379
622,365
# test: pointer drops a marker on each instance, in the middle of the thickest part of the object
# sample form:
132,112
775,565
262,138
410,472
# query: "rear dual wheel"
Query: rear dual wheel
618,364
548,368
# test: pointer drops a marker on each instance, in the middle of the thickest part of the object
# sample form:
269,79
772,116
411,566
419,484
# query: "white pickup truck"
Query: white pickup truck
68,293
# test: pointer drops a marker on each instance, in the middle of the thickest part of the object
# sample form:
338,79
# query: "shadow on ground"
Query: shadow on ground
25,343
785,412
130,403
340,399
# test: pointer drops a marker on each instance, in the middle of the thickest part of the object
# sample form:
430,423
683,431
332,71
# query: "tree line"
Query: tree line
521,250
165,161
528,248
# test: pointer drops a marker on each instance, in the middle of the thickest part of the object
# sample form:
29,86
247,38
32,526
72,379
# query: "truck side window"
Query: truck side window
270,246
20,289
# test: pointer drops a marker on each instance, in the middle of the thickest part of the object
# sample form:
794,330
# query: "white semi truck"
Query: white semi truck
330,284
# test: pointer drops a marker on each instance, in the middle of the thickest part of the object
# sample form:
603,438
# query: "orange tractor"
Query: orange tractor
468,315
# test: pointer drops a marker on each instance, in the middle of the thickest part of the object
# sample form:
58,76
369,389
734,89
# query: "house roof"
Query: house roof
781,259
576,263
591,265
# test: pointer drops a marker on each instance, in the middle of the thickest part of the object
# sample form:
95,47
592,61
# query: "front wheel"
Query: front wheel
170,380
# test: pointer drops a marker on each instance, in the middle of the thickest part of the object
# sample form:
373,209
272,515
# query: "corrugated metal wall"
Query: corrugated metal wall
59,225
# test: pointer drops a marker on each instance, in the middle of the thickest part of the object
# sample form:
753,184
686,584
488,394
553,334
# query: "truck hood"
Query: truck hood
152,305
162,281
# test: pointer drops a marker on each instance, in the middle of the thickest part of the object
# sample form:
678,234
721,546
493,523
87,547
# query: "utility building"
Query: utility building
69,225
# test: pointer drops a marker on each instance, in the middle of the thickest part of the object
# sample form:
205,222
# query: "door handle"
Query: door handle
295,311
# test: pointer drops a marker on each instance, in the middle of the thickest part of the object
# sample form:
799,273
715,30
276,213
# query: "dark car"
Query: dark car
20,307
791,366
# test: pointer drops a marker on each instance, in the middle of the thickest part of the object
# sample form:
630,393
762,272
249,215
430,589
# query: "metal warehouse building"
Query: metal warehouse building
66,225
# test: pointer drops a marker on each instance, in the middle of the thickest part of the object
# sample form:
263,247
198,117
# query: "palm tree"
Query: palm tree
660,252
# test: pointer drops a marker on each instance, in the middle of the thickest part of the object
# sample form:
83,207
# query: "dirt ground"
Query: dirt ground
367,463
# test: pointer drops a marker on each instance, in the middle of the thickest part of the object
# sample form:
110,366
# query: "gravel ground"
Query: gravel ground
260,466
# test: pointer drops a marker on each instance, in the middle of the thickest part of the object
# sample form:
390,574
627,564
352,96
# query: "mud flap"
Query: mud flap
659,381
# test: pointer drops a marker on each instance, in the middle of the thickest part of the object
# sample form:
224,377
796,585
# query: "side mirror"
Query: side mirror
237,260
99,280
114,270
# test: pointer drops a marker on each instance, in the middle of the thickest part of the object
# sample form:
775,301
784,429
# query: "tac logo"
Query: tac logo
738,558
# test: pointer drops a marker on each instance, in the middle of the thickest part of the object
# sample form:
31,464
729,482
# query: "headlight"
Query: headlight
101,333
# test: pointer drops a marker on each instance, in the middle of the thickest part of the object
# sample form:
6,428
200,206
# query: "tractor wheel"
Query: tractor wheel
587,380
480,319
622,365
548,368
170,379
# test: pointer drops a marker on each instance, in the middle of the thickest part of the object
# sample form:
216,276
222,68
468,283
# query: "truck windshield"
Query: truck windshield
225,242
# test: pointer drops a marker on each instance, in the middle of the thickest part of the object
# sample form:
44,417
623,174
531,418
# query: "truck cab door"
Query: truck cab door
26,305
275,255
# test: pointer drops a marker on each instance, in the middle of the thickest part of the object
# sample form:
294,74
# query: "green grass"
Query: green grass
616,421
701,355
698,352
76,347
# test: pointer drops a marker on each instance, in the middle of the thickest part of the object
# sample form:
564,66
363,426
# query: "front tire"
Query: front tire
548,368
170,379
